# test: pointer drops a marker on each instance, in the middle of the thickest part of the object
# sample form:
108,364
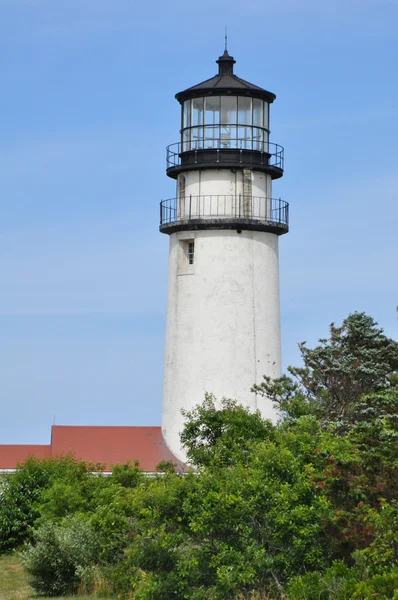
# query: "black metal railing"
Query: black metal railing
233,151
193,208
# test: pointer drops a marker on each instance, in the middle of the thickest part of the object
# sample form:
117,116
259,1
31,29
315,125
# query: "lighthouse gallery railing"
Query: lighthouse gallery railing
227,150
186,208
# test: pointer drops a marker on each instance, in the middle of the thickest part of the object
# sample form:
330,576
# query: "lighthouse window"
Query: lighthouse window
228,110
213,110
244,118
197,122
212,120
191,251
225,122
197,106
186,122
186,257
258,120
187,113
244,110
266,115
228,121
258,112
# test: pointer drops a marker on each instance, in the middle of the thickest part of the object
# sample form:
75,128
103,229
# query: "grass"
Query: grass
14,586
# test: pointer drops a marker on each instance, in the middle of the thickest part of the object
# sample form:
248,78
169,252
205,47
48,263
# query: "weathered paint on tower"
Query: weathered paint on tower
223,322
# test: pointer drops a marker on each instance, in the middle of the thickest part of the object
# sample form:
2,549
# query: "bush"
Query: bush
380,587
23,492
127,475
337,583
340,582
93,581
61,553
112,521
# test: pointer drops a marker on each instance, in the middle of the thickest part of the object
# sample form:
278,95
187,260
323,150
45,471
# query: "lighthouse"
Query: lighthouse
223,318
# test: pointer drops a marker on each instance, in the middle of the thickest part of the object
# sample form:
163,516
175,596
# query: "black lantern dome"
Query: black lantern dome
225,82
225,124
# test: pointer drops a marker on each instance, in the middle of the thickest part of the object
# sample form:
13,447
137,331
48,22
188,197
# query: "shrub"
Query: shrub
54,564
93,581
127,475
340,582
337,583
23,492
380,587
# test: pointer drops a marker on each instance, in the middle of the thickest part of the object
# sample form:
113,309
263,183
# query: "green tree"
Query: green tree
356,359
307,507
127,475
224,433
247,520
23,491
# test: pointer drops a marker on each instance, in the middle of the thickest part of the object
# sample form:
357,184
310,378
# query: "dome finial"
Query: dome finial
226,62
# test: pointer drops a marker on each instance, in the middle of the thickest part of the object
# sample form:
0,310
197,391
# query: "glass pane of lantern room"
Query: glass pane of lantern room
266,126
258,115
197,123
228,121
186,140
197,112
266,115
212,120
244,118
258,110
186,121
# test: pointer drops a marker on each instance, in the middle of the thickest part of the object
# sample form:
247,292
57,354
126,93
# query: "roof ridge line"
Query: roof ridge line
110,426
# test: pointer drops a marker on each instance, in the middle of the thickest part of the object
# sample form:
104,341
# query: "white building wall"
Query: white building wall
222,322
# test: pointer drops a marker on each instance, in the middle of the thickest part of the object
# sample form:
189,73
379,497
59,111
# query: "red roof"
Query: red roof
107,445
11,455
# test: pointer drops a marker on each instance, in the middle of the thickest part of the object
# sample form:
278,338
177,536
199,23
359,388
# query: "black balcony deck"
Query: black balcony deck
224,212
236,154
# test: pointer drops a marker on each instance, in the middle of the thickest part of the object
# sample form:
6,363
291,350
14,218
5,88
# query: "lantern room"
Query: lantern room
225,123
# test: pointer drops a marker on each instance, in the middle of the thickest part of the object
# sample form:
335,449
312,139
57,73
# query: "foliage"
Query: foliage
305,509
244,526
23,491
356,359
14,585
166,466
58,554
127,475
223,433
382,553
287,396
112,520
341,582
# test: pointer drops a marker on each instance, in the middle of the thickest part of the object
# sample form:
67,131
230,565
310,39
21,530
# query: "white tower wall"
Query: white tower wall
224,192
223,324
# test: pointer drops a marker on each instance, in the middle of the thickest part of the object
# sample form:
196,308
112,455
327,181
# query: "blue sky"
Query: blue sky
86,111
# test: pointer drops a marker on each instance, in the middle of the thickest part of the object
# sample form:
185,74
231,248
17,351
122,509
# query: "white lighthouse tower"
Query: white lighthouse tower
223,322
